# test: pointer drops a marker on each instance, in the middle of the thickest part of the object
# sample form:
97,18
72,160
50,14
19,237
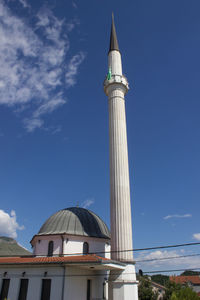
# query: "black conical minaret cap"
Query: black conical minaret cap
113,37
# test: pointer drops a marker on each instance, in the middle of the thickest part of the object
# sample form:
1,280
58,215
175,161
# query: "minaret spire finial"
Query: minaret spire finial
113,37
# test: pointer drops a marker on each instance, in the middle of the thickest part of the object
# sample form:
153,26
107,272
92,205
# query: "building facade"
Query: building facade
70,260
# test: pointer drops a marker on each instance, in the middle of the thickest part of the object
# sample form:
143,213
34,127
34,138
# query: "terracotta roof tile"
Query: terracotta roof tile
184,279
53,259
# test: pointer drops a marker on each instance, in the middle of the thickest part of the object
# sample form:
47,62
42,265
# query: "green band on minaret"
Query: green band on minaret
109,74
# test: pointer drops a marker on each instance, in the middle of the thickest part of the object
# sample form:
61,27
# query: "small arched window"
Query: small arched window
50,248
85,248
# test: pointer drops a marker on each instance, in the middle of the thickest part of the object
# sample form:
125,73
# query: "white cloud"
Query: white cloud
70,76
196,236
32,124
8,224
167,260
56,130
177,216
51,25
49,106
24,3
74,4
87,203
34,68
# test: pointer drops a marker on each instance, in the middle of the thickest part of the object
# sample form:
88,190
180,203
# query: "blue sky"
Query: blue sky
54,117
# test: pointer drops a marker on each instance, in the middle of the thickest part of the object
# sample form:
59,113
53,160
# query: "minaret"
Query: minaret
115,87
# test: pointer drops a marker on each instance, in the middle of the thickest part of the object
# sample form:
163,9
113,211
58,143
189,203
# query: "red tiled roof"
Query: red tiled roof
195,279
53,259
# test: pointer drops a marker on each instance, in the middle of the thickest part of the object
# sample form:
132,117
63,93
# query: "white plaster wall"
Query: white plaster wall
107,251
123,284
75,283
196,288
35,276
71,245
126,291
13,288
74,245
114,62
41,244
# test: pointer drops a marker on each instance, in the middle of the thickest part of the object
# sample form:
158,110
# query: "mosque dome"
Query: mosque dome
75,221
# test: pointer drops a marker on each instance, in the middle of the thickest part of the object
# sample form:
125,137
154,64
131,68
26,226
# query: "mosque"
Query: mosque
75,256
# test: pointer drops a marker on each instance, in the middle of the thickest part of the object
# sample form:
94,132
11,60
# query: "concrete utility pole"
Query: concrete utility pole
123,284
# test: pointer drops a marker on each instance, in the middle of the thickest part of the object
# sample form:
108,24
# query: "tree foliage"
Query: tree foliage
177,292
189,273
171,287
145,290
173,291
160,279
184,293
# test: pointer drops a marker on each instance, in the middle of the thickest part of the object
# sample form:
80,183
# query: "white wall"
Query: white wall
123,284
35,275
75,282
41,244
72,245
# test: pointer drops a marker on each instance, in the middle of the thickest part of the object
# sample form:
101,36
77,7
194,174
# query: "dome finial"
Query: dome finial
113,37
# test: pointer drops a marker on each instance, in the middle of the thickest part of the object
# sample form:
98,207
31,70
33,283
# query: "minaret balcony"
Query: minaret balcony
116,79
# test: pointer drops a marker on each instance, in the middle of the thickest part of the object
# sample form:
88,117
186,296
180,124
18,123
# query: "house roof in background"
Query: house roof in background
9,247
195,279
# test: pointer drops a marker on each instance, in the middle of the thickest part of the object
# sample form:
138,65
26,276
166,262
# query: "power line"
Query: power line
165,258
165,247
115,251
170,271
26,275
149,260
148,248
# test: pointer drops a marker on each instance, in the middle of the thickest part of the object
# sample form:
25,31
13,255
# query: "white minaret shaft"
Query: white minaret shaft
115,87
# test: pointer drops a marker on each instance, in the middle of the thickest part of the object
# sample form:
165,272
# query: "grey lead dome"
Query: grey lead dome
75,221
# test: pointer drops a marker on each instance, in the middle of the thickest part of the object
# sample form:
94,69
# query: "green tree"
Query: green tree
184,293
160,279
145,290
171,287
189,273
173,296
